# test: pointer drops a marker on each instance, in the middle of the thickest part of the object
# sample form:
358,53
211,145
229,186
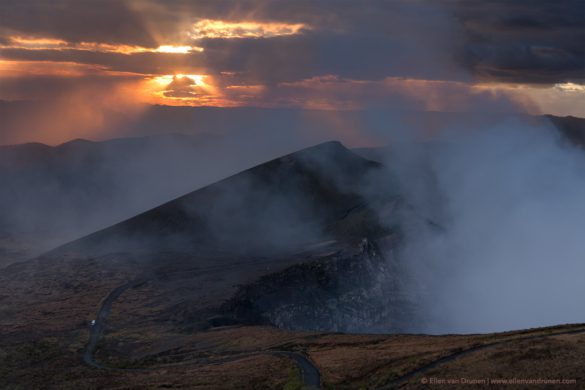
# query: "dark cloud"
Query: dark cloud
76,21
360,57
369,41
364,41
183,87
525,41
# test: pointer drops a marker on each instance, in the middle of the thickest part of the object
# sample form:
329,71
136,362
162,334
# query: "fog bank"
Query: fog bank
508,250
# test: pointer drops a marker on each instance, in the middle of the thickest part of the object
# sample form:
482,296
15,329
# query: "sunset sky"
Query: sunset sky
320,54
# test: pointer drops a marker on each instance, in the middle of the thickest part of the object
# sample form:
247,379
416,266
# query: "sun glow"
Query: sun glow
178,49
197,78
182,89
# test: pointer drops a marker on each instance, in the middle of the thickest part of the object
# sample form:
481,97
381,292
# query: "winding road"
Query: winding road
97,329
310,375
449,358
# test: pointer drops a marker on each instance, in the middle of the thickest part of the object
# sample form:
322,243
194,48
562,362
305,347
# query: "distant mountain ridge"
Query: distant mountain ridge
53,194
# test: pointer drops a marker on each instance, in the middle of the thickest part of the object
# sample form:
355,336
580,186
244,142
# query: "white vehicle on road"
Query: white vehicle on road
92,323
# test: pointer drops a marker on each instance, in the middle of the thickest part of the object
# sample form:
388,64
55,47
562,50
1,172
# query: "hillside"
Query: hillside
247,282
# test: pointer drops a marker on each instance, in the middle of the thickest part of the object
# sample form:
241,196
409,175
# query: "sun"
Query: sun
198,79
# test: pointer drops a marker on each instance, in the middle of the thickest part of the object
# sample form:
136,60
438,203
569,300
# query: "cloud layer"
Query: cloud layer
422,55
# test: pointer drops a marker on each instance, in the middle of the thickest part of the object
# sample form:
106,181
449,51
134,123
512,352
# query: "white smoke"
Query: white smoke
510,249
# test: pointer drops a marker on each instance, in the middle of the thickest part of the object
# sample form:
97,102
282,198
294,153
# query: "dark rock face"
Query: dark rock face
345,292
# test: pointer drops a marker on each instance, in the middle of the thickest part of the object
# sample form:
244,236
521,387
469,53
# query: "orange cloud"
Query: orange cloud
10,68
14,68
210,28
329,92
33,43
559,99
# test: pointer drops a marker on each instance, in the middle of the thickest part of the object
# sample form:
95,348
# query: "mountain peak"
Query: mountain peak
278,205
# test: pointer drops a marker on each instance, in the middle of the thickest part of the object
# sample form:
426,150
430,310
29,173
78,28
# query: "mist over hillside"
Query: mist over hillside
52,195
55,194
444,194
